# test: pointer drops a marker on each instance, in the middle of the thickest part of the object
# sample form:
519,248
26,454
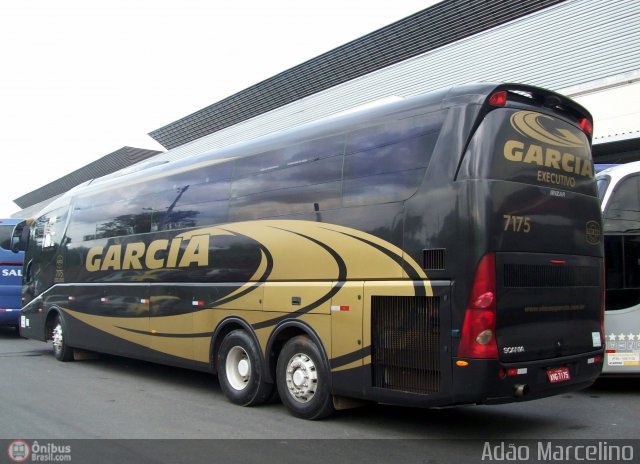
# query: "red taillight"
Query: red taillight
478,335
498,98
586,125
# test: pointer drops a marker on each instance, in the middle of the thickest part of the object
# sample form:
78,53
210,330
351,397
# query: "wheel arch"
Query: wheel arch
284,332
225,327
52,313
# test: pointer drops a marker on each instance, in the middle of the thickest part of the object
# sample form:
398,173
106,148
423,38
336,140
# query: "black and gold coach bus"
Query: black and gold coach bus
439,250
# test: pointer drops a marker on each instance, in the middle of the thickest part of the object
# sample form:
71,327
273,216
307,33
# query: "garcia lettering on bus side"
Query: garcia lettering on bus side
158,254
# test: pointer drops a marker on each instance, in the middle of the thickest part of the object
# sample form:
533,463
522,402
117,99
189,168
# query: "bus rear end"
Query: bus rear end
532,324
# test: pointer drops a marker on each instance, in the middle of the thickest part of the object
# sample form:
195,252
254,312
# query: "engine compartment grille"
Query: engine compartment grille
548,275
405,334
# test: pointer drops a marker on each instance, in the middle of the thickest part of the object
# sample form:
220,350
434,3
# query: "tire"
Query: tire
303,379
61,350
240,370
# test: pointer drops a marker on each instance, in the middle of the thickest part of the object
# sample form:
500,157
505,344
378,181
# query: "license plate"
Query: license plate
558,374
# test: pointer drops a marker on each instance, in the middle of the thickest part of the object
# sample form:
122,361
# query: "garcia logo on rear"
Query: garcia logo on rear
544,144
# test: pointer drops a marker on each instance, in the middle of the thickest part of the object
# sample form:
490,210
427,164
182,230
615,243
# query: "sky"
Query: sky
80,79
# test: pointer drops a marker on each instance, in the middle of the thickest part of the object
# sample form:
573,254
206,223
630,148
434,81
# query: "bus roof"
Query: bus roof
618,171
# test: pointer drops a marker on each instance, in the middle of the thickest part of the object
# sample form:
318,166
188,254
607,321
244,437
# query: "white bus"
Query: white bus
619,191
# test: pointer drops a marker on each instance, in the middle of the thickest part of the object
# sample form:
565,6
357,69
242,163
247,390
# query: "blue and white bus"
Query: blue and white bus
619,191
10,275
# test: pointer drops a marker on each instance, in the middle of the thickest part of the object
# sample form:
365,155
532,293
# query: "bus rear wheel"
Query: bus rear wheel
240,370
303,380
61,350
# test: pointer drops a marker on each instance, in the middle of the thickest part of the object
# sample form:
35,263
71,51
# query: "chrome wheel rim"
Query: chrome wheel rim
238,368
57,337
302,378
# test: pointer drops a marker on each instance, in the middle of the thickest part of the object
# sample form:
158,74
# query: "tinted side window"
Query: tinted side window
623,211
312,150
386,163
46,236
188,199
300,179
92,220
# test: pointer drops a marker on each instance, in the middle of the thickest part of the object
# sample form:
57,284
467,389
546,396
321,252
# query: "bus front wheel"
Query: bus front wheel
303,380
61,350
240,371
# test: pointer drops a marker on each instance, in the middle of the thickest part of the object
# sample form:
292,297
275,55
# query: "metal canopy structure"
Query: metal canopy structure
124,157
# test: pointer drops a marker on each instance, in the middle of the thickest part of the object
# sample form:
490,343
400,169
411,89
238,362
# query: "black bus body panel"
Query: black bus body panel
465,201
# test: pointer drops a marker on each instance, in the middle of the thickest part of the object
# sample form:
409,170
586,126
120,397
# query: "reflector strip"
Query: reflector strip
104,299
339,308
144,300
197,303
520,371
72,298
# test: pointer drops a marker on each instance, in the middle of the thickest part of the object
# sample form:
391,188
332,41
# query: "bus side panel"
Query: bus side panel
348,352
10,294
406,344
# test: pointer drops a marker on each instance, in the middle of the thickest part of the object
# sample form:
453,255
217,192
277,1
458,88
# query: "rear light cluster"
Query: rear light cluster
498,98
586,125
478,335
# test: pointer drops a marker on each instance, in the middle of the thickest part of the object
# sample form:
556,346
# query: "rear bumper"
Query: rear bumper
9,316
493,382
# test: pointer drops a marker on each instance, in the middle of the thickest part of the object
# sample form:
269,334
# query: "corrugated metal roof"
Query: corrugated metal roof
444,23
125,156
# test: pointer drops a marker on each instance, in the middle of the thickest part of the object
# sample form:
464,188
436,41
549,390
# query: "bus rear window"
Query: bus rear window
530,147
